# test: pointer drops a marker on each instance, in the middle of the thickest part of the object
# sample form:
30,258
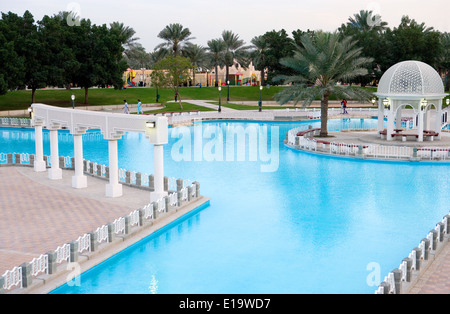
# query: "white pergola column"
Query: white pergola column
113,188
398,118
55,173
420,125
79,180
158,173
390,123
438,122
380,126
39,163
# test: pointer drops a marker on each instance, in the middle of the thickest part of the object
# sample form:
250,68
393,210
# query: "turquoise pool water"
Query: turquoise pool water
312,226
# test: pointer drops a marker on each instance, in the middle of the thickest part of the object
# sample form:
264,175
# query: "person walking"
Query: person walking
139,107
126,110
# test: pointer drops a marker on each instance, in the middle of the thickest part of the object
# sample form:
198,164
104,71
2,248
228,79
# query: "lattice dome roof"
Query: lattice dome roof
411,78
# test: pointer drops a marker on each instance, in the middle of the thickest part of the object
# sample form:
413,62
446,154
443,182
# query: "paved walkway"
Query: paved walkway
436,279
38,214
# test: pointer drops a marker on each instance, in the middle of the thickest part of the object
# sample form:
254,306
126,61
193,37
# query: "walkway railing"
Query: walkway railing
20,122
300,138
408,271
46,264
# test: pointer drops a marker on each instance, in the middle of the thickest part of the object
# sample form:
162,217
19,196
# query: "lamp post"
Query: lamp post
447,101
228,94
73,101
220,103
260,98
373,101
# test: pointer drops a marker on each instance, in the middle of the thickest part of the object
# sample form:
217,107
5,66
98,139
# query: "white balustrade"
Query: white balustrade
102,233
148,211
134,218
84,243
161,205
62,253
13,278
39,265
119,225
173,199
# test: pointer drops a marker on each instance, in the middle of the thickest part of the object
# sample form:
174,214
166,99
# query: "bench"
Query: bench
302,133
404,136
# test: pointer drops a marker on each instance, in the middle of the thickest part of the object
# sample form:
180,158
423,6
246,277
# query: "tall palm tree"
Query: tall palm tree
323,61
175,36
126,34
365,21
197,55
216,48
260,46
235,51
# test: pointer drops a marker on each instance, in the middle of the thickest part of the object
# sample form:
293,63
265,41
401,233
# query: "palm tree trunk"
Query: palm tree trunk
324,115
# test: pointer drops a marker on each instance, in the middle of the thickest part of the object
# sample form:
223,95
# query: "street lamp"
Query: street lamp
447,101
228,95
220,108
373,101
73,101
260,98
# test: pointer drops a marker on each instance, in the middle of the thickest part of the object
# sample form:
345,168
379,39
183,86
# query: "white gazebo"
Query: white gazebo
414,84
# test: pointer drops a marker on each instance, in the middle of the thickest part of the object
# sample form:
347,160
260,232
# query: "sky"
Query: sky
206,19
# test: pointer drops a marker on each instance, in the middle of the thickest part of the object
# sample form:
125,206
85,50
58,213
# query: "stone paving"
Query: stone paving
38,214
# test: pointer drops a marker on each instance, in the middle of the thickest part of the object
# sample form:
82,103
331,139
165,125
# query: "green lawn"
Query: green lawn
99,97
22,99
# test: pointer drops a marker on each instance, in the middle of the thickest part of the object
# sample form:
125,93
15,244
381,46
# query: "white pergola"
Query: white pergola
415,84
112,127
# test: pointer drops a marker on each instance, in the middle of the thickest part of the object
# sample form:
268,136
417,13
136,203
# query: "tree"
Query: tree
322,62
175,37
126,34
99,51
138,58
171,72
197,55
58,43
413,41
235,51
280,45
444,59
29,46
216,48
260,46
368,30
12,65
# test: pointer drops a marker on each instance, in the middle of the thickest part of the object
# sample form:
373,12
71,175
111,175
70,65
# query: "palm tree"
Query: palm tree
126,34
323,61
235,51
260,46
158,55
175,36
366,21
197,55
216,48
